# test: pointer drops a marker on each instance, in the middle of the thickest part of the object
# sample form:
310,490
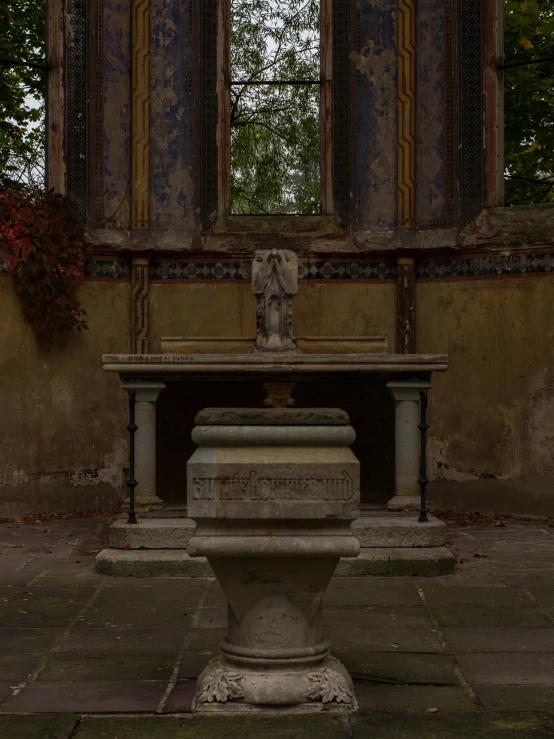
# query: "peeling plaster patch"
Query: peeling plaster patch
430,149
442,471
541,430
376,118
171,146
117,113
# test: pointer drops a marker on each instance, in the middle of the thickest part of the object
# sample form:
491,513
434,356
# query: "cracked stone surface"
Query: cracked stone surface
477,645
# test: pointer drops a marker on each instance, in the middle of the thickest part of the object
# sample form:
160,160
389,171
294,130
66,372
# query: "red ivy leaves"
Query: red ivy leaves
46,252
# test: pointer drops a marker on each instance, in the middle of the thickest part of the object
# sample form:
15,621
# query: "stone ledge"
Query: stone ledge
373,530
152,533
147,563
398,530
396,562
389,562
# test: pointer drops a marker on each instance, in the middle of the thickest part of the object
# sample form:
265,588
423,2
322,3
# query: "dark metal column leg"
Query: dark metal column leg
423,427
131,482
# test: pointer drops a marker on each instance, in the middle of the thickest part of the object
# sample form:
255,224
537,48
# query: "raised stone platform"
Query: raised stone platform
393,544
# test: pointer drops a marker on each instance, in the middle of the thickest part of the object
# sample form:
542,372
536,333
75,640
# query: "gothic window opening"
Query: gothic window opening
276,100
528,72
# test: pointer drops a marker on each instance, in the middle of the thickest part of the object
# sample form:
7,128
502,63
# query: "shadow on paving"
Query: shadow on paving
361,726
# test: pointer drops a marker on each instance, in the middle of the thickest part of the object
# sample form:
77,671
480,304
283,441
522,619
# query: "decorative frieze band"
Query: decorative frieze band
406,55
140,306
140,115
491,265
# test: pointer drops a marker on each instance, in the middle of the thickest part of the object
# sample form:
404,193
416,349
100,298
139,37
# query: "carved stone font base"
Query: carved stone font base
224,687
273,493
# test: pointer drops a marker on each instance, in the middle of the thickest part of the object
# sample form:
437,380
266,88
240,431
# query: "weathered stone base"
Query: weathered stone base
404,503
373,529
151,563
377,562
227,688
393,562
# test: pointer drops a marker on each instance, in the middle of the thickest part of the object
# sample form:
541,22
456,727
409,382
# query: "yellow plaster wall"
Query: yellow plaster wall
62,420
492,413
357,309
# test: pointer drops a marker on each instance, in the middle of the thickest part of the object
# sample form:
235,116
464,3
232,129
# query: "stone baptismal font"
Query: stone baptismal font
273,492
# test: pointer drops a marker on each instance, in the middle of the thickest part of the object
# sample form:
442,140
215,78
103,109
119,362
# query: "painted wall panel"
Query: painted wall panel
376,105
171,114
430,91
117,112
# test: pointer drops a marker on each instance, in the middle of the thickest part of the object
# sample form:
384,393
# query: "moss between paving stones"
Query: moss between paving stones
214,727
364,725
451,726
37,727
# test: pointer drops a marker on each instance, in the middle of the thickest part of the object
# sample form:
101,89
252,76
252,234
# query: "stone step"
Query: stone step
376,562
373,530
151,533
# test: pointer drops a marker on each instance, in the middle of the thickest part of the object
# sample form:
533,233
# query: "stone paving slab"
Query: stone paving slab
516,698
214,727
482,638
384,640
523,615
499,639
21,641
135,617
362,726
451,726
128,697
400,667
95,668
407,617
508,669
414,698
122,640
37,727
355,591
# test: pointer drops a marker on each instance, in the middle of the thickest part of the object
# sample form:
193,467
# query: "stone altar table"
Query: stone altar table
273,493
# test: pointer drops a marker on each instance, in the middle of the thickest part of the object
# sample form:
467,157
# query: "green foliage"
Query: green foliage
45,250
275,129
21,39
529,102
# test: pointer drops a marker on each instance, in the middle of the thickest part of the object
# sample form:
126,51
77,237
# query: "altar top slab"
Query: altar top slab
273,365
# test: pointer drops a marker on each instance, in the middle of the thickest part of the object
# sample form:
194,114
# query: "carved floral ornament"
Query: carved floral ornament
326,686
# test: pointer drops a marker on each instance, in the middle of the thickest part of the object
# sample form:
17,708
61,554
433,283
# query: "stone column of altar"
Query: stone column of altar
145,443
407,494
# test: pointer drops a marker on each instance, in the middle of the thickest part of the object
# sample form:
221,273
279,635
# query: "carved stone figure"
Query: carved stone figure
274,283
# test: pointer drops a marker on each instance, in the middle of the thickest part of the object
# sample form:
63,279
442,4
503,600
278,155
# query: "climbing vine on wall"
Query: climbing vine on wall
44,246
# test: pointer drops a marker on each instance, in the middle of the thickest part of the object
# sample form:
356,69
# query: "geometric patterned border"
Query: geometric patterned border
496,265
331,270
99,268
240,270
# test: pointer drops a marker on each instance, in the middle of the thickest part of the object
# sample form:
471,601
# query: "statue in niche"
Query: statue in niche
274,283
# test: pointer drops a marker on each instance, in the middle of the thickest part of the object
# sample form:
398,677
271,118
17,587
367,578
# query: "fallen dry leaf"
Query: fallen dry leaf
480,556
